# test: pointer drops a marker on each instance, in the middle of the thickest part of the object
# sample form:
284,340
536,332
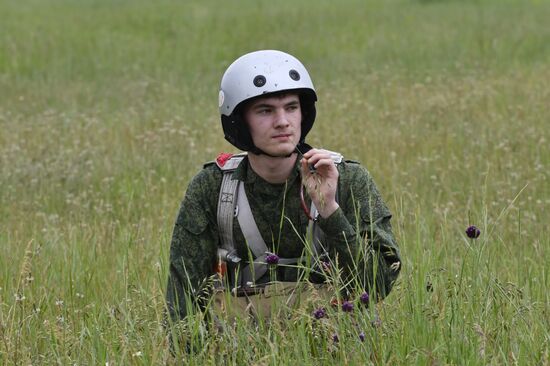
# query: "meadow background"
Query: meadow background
108,108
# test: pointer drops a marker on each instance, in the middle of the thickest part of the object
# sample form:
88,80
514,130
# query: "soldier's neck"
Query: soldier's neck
272,170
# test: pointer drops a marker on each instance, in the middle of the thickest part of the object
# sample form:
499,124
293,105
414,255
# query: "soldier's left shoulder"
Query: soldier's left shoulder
353,168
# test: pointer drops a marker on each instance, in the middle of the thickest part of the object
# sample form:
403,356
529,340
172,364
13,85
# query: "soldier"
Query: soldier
267,106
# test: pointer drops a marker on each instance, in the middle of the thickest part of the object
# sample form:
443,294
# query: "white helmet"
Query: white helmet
257,74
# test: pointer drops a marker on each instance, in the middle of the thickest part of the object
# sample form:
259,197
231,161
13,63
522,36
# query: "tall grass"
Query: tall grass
108,108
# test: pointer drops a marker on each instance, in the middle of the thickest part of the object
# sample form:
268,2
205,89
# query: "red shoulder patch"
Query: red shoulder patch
223,158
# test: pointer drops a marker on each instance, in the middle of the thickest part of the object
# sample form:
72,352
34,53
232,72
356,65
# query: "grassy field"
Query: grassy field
108,108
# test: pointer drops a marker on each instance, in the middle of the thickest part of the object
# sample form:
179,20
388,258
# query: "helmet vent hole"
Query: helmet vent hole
294,75
259,81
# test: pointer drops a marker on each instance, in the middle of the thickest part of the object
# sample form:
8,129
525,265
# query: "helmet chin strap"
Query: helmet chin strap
302,147
257,151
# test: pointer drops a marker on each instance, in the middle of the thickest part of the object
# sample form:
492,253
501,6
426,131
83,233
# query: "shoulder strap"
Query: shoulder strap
248,225
336,157
229,162
227,201
317,234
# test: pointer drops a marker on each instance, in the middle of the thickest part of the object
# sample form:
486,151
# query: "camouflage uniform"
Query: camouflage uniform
195,239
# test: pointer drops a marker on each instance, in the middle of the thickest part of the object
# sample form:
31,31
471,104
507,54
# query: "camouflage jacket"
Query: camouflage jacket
362,221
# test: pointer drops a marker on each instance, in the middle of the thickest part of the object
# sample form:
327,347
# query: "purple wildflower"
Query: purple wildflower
272,259
429,287
319,313
347,306
364,298
362,336
472,232
335,338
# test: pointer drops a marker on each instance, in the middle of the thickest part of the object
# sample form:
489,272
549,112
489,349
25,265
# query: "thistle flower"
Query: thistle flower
347,307
272,259
319,313
472,232
429,287
364,298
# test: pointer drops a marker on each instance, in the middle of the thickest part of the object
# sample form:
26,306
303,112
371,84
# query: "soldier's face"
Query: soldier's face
275,123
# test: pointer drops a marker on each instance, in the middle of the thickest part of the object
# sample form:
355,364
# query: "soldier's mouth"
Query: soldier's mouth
282,136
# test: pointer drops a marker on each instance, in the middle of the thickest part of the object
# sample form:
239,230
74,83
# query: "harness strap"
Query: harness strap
226,210
313,224
227,204
317,234
254,241
248,225
232,203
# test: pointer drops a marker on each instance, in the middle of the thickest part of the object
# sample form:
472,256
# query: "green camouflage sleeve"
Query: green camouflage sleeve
360,233
194,244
